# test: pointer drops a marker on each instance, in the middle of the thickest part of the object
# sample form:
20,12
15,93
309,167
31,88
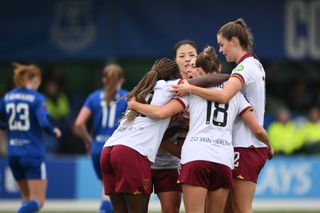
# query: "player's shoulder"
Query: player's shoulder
38,96
249,67
30,92
122,92
251,63
244,65
163,85
95,94
168,82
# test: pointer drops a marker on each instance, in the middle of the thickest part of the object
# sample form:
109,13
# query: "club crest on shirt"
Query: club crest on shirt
146,184
44,106
240,67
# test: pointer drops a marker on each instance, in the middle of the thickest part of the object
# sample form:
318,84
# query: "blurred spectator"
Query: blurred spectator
316,99
284,134
311,132
58,102
299,98
58,106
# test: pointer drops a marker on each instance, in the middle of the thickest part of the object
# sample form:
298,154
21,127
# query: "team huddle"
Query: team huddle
184,129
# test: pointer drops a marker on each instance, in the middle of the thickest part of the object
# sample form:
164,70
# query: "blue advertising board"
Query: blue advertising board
99,29
282,178
295,177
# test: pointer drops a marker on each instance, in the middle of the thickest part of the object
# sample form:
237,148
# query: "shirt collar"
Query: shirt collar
247,55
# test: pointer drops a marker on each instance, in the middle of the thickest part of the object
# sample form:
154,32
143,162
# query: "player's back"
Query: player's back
20,108
210,134
105,119
144,134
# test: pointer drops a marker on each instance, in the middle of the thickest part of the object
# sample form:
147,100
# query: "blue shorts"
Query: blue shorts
28,167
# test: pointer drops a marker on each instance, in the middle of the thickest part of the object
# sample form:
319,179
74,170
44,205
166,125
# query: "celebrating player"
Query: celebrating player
207,153
235,43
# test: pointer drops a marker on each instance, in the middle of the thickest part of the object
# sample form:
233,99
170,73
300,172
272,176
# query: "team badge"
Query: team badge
239,68
146,184
73,28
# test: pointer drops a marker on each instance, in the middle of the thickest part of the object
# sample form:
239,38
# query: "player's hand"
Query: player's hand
271,153
57,132
181,89
131,103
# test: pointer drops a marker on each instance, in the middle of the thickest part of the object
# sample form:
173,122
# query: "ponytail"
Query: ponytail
240,30
113,74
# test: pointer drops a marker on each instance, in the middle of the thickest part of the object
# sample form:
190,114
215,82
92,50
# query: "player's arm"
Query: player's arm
168,145
171,131
45,124
173,149
81,127
210,80
260,133
232,86
156,111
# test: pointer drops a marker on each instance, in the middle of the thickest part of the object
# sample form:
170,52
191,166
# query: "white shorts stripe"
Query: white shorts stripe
43,171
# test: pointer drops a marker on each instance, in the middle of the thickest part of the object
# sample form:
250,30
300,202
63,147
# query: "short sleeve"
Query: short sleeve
184,100
170,94
243,104
41,111
89,102
41,105
243,72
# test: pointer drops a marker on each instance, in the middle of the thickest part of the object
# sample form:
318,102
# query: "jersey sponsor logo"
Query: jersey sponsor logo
130,128
210,140
240,67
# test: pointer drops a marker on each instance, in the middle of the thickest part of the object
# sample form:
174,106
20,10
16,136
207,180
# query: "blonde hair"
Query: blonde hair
25,73
162,69
113,74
